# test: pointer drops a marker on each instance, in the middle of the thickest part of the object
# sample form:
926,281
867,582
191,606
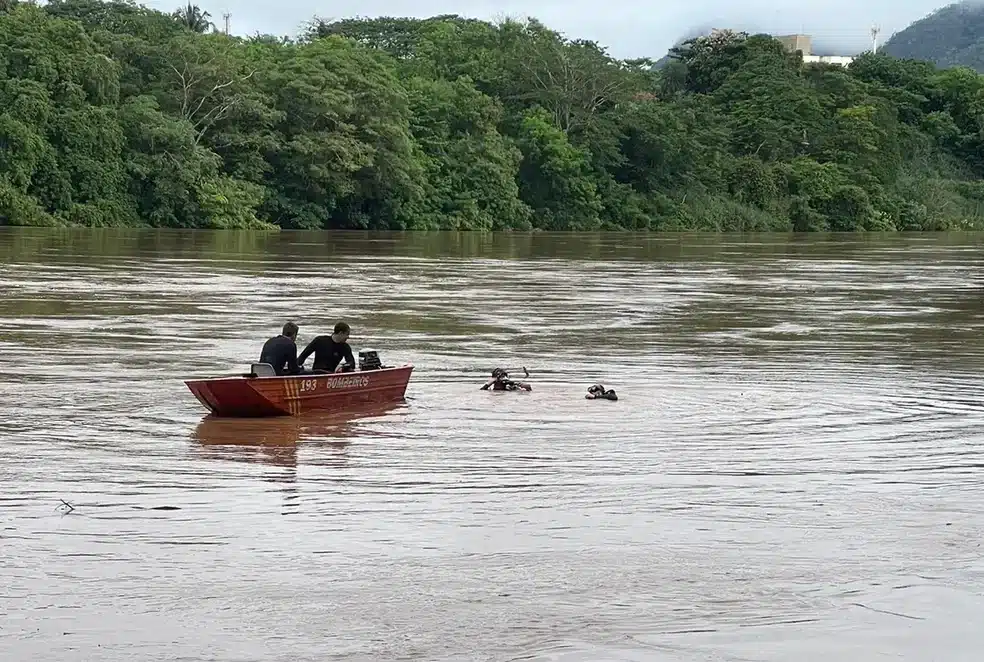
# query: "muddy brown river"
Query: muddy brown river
794,470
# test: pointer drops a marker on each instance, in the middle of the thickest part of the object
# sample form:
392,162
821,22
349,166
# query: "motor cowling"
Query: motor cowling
369,360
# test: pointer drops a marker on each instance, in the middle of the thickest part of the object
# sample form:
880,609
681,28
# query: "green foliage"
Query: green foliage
555,177
471,169
118,115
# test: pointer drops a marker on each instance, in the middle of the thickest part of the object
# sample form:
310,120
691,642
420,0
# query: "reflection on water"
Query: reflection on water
276,440
792,470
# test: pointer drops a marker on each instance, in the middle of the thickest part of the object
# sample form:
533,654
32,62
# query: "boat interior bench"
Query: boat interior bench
262,370
266,370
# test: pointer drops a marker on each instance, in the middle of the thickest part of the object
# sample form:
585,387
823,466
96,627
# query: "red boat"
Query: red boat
263,393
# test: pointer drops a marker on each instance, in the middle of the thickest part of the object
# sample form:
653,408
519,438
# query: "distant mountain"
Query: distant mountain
951,36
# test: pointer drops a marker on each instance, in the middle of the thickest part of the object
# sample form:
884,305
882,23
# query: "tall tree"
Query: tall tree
194,18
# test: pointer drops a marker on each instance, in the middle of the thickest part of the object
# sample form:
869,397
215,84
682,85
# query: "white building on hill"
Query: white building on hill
802,43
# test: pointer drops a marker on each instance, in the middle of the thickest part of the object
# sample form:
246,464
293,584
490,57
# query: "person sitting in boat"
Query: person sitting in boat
330,350
500,382
281,351
599,392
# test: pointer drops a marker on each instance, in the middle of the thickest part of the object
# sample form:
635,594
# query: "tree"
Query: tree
471,168
555,177
344,154
771,110
192,17
116,114
204,80
572,80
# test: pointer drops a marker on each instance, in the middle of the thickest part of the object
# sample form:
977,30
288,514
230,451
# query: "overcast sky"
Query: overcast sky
630,28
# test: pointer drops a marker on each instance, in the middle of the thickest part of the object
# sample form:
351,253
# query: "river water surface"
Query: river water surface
793,470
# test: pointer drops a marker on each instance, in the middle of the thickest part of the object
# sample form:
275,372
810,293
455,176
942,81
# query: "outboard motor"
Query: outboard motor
369,360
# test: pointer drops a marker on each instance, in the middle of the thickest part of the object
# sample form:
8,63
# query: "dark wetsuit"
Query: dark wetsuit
599,392
503,385
281,353
327,353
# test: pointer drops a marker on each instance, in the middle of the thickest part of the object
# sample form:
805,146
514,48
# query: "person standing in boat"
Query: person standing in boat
281,351
330,350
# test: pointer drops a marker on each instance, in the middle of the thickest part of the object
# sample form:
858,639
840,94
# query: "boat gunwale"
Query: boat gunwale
310,375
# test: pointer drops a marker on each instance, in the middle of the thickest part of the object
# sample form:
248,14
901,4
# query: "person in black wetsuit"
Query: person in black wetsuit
599,392
330,350
281,351
501,382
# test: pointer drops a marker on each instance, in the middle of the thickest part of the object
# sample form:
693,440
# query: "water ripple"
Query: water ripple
792,470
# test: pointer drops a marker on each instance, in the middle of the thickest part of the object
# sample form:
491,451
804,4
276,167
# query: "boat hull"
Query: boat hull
251,397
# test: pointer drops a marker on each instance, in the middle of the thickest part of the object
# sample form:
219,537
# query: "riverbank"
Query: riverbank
123,116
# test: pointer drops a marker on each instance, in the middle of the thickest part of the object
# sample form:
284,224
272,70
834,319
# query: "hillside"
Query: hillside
951,36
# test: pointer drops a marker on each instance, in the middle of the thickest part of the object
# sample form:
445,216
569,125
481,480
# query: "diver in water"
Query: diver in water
599,392
500,382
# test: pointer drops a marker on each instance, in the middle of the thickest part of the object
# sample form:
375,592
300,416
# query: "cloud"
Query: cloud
630,28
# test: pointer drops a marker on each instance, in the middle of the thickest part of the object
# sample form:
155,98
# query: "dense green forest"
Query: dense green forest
117,115
950,36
